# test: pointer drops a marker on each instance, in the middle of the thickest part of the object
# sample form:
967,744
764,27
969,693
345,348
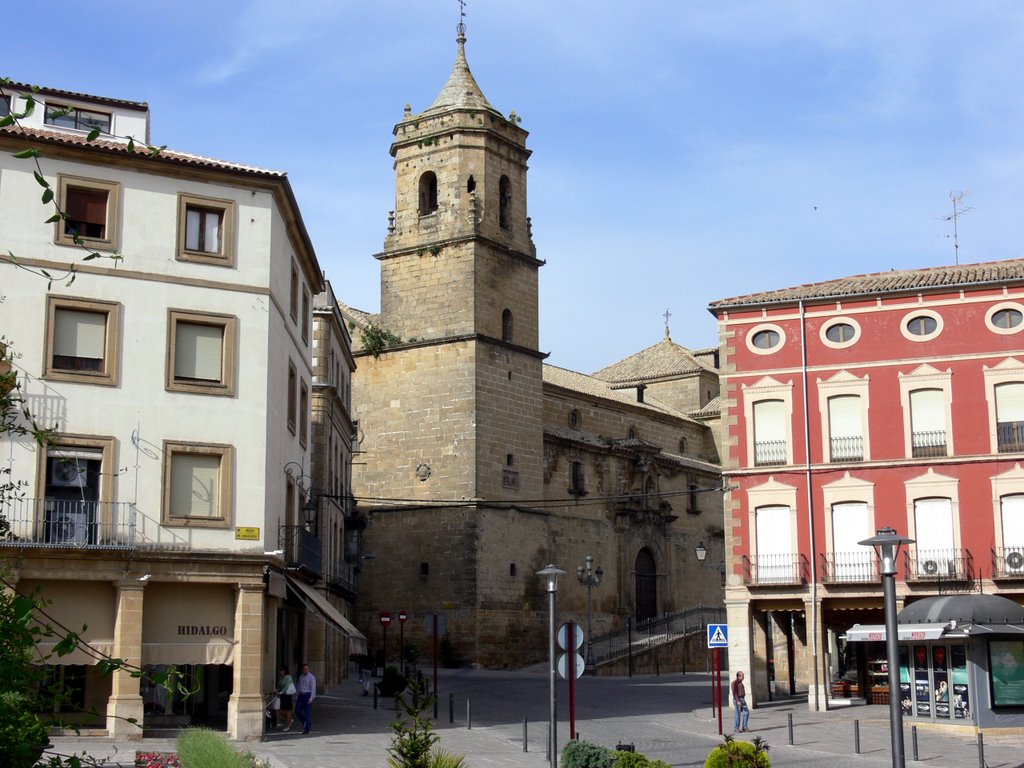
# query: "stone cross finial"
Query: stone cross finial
667,315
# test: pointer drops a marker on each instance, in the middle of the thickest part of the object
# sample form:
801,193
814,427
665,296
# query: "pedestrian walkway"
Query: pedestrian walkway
667,717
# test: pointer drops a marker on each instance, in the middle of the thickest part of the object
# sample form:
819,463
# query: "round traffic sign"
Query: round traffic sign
563,636
563,663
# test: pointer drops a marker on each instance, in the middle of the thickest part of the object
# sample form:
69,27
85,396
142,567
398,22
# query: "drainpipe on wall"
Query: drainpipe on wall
810,506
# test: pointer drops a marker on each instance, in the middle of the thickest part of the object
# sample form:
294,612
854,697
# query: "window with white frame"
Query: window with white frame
91,211
66,116
845,428
851,524
1010,416
776,562
82,340
770,432
206,230
201,353
928,423
1005,318
934,539
197,484
1011,509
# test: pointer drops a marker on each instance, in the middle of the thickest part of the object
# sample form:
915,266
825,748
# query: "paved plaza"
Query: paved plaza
668,717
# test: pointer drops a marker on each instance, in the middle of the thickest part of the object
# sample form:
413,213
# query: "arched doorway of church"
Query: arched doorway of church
646,586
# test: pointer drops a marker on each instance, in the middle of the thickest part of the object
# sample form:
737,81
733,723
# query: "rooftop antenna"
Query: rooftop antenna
667,315
959,209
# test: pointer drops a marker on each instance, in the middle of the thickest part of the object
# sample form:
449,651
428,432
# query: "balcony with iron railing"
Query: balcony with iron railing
775,570
850,448
1008,563
769,453
849,568
71,524
949,564
1010,436
925,445
303,551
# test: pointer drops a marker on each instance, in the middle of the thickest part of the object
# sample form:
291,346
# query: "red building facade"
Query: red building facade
887,400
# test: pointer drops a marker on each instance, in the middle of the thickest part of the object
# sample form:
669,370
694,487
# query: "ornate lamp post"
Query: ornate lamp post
887,544
551,574
589,578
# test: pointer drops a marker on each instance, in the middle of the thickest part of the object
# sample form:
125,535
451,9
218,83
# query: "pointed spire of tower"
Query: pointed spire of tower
461,90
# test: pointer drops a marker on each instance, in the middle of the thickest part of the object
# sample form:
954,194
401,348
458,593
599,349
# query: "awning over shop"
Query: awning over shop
866,633
188,624
82,607
317,602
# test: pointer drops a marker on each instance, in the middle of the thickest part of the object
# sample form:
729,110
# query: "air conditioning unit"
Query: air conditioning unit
930,567
67,473
68,526
1015,562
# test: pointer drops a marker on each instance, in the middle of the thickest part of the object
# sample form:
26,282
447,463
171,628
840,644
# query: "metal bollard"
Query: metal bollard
374,695
547,752
913,741
469,715
856,737
526,744
981,750
451,707
789,718
657,668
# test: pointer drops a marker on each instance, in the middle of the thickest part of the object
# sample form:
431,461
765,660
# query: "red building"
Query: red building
894,399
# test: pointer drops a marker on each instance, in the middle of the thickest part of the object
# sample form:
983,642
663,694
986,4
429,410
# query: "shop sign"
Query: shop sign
247,533
202,630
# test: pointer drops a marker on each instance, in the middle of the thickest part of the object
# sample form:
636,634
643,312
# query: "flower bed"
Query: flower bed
157,760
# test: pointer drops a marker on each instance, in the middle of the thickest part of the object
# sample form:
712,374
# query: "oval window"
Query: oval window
1007,318
922,325
840,333
766,339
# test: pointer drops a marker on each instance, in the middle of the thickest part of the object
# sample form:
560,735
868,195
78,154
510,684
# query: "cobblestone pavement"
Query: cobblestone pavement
668,717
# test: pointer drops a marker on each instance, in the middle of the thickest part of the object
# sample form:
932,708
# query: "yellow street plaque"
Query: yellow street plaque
252,534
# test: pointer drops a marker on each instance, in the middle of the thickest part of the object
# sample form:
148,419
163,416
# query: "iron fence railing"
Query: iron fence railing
1008,562
769,453
70,524
938,565
769,570
302,550
925,445
847,448
1010,435
848,568
655,631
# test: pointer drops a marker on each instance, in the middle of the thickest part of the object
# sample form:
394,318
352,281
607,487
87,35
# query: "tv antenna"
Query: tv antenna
959,209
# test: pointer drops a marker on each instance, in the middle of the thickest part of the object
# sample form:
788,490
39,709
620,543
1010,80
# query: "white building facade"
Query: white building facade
177,375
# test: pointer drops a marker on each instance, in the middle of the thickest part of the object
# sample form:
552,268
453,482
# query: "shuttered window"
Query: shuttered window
1012,508
195,486
79,340
770,432
928,422
198,352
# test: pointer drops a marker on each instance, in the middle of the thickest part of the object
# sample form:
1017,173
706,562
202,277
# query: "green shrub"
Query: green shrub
739,754
584,754
440,758
392,682
203,748
637,760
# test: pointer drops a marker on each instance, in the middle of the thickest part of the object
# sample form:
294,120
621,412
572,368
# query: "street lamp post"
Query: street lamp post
590,578
887,543
551,574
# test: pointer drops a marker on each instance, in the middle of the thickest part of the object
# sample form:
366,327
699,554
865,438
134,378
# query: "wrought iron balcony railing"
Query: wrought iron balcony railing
302,550
938,565
769,453
924,445
1010,436
1008,563
849,567
70,524
773,570
847,448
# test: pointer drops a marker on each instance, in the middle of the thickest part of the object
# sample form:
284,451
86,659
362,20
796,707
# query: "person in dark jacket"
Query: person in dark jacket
739,699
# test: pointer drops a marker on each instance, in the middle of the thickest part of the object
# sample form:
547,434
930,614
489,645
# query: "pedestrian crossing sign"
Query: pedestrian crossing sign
718,635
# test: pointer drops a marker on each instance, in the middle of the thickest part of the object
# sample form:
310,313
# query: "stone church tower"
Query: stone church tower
451,417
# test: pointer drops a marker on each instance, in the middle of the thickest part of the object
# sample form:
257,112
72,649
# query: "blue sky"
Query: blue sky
684,150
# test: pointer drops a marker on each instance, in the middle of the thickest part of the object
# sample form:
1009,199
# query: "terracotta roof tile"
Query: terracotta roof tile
711,409
663,360
895,281
588,385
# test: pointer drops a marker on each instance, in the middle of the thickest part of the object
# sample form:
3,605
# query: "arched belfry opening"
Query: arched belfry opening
505,203
646,585
428,193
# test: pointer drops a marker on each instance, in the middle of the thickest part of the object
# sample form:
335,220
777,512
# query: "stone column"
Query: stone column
124,707
741,642
812,664
245,707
